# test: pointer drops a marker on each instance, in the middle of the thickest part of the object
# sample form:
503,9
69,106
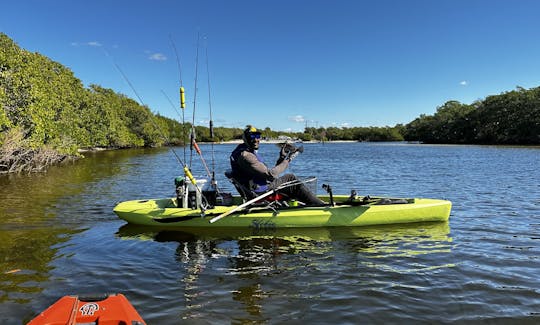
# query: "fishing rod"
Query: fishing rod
176,110
182,96
141,102
185,168
192,134
211,122
195,145
193,142
199,152
170,102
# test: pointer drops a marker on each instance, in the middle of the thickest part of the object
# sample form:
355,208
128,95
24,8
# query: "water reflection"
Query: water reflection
25,263
40,212
374,242
239,263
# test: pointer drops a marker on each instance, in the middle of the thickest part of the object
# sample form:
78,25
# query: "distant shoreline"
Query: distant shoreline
237,141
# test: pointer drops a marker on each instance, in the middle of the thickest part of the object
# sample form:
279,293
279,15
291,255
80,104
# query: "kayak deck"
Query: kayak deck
375,211
97,309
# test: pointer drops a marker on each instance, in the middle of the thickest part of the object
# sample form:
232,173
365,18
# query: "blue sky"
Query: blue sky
288,64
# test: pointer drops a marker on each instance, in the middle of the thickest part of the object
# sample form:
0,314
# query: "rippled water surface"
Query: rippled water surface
59,236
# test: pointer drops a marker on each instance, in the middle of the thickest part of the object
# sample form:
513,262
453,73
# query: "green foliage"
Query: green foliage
355,133
449,124
509,118
172,130
53,108
5,123
107,118
227,134
39,95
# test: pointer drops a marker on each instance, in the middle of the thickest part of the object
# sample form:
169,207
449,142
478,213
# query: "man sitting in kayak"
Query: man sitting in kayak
249,169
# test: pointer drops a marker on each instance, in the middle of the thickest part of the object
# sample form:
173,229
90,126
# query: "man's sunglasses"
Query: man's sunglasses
255,136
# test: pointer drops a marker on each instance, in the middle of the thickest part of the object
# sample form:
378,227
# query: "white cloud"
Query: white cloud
157,57
297,118
464,83
92,43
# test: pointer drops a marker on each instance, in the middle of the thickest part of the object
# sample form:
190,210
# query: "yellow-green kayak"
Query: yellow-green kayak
375,211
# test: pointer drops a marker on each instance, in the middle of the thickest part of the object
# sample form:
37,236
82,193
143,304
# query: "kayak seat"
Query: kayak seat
248,194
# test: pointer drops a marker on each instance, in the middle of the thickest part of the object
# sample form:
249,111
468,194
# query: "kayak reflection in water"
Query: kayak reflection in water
249,170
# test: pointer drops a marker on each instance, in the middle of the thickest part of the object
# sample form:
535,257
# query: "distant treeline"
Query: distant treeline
509,118
47,115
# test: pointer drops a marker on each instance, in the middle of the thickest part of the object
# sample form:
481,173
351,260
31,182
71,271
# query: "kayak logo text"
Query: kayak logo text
89,309
262,225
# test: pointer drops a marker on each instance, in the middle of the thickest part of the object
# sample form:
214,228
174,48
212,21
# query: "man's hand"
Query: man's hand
293,155
283,153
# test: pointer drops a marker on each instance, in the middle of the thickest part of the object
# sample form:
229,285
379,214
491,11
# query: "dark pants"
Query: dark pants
297,191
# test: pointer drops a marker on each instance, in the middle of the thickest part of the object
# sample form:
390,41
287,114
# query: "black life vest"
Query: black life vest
252,181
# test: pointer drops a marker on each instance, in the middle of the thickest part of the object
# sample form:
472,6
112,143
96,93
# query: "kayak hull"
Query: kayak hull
101,309
163,212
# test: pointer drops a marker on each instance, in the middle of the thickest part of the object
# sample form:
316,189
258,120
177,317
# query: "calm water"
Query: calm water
59,236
